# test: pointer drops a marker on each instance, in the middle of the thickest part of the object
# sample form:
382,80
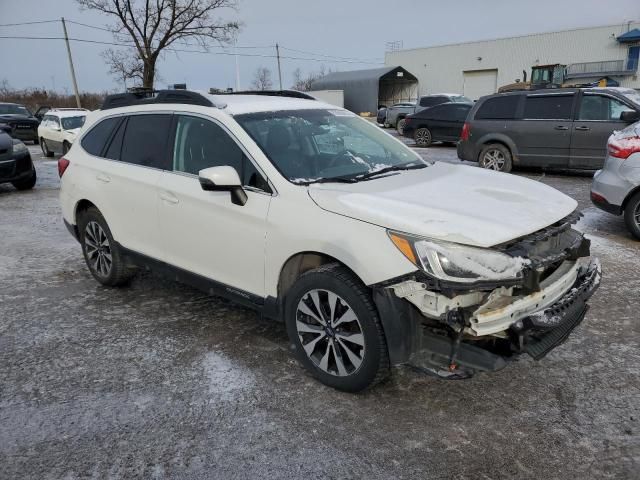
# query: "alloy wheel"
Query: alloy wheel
330,332
423,136
98,249
636,215
493,160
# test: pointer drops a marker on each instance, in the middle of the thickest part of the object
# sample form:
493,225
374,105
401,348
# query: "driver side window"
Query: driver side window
201,144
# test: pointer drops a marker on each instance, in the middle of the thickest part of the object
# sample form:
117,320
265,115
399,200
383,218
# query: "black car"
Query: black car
24,126
442,123
381,118
16,166
563,128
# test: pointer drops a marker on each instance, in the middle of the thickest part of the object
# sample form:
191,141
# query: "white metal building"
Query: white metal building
480,68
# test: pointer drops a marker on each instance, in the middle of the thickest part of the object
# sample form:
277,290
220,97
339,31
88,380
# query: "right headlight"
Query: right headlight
458,263
19,147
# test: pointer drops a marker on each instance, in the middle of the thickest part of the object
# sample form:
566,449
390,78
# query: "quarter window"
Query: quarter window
548,107
94,141
201,144
498,108
145,140
600,107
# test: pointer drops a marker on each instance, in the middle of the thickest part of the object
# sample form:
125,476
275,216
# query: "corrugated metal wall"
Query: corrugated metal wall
440,68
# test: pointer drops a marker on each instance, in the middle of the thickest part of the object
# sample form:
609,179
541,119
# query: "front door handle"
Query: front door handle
169,198
561,127
101,177
583,128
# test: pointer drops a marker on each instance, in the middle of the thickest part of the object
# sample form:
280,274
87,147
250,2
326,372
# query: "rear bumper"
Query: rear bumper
413,341
466,151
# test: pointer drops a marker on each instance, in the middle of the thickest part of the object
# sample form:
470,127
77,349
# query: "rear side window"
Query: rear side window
549,107
145,140
94,141
498,108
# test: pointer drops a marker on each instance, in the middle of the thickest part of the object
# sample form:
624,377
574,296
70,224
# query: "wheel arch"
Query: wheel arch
500,139
631,193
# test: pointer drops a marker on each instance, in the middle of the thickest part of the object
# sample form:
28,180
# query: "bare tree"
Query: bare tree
124,66
262,79
303,82
155,25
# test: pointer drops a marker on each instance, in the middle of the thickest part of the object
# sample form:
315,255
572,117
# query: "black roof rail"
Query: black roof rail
148,96
272,93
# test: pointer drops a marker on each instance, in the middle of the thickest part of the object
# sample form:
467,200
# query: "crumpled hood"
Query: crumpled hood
456,203
73,133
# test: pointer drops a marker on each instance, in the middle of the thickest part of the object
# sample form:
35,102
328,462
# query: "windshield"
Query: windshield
312,145
69,123
632,95
14,110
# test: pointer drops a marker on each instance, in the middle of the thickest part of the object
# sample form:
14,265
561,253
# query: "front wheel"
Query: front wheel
400,126
632,215
496,157
102,255
423,137
335,330
45,148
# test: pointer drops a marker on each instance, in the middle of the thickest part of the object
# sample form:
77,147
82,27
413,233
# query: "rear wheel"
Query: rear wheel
65,147
102,255
423,137
45,148
28,183
400,126
632,215
335,330
496,157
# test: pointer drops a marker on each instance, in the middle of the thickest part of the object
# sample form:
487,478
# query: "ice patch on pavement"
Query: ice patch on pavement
225,378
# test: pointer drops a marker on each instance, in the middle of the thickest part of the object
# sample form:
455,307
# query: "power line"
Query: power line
179,50
27,23
367,60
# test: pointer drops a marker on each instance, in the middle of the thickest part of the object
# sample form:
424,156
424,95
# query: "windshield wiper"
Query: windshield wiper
330,180
393,168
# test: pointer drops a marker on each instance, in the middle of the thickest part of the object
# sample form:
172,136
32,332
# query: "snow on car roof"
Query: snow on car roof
68,112
239,104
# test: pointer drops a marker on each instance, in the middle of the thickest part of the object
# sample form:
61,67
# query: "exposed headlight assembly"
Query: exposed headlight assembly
458,263
19,147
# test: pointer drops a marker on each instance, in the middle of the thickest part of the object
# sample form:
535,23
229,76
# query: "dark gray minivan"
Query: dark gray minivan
558,128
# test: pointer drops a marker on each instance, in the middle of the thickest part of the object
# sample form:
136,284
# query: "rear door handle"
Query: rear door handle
103,178
561,127
169,198
583,128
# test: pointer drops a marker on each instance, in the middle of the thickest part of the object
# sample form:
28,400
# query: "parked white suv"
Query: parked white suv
59,128
307,213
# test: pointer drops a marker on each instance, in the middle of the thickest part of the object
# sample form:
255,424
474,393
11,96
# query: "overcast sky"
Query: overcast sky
339,28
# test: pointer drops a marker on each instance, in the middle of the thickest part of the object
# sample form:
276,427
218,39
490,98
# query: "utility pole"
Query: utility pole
235,45
279,71
73,72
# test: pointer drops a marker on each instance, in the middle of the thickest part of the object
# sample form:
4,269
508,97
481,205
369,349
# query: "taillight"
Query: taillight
466,130
622,147
63,163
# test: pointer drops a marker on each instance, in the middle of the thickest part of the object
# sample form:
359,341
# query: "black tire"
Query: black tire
65,147
373,356
119,272
423,137
386,124
28,183
36,140
632,215
400,126
45,148
496,156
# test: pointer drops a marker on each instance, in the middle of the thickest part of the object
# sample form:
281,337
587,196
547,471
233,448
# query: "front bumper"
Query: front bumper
413,341
16,168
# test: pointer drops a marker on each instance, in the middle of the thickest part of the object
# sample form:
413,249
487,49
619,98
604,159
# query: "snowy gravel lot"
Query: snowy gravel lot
160,381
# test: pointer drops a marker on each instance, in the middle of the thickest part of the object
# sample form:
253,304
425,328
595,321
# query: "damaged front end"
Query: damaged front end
455,327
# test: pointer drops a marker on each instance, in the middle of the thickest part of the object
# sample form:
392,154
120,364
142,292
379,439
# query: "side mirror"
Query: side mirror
223,179
630,116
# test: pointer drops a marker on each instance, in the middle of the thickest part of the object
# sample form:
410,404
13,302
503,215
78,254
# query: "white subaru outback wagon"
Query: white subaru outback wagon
307,213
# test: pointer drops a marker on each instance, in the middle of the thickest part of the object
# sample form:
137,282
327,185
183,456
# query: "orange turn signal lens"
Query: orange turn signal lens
404,246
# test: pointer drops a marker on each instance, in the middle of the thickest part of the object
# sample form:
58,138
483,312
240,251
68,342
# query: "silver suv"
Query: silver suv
616,188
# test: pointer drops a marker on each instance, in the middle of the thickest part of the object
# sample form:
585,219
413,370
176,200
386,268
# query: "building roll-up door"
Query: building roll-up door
480,82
